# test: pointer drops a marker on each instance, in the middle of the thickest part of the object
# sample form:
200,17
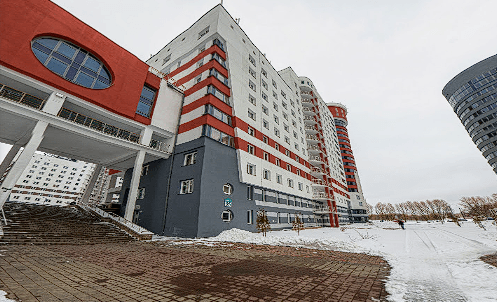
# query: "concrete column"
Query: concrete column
146,136
8,159
22,162
135,182
91,184
54,103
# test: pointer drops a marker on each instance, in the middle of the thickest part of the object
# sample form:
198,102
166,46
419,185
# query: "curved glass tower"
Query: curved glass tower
473,97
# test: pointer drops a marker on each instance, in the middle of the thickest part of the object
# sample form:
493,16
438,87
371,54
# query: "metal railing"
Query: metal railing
135,228
319,182
21,97
317,170
323,210
159,146
321,196
98,125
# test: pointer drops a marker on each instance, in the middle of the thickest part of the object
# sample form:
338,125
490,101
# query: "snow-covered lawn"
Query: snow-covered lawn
430,261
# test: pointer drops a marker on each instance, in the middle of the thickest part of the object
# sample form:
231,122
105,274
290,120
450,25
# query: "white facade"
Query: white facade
52,180
266,108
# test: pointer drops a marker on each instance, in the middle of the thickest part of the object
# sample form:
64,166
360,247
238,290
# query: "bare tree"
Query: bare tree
297,223
262,222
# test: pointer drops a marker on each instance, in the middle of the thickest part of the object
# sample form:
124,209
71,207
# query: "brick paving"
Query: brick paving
168,271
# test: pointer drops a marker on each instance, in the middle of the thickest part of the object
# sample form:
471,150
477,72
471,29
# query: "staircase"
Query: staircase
39,224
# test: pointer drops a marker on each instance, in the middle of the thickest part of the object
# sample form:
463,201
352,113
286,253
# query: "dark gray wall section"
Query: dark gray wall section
197,214
468,74
183,209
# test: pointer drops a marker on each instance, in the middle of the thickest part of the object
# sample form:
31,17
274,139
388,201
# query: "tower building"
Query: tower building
357,205
472,95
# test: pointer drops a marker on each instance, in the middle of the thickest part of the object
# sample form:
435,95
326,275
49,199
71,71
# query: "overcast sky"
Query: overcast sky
387,61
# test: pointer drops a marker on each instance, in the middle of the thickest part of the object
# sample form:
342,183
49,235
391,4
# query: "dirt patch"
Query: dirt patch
490,259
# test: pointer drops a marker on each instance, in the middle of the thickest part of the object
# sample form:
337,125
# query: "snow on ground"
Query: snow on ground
430,261
3,298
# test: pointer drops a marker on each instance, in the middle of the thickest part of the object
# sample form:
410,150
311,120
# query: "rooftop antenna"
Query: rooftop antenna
237,20
221,2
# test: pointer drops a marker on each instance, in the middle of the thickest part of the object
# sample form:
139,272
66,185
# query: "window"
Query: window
276,119
227,215
146,101
277,132
279,179
186,186
250,192
286,128
266,156
227,189
250,216
141,193
265,124
251,131
252,85
71,62
209,109
275,95
200,63
301,186
274,84
144,170
198,79
277,161
287,153
264,96
275,106
252,100
264,73
283,94
265,110
251,114
265,139
250,169
284,105
217,135
290,183
277,146
190,159
250,150
252,60
287,140
252,73
266,174
264,84
217,93
289,167
166,59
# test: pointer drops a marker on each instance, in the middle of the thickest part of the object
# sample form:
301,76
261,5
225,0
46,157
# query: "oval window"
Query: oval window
71,62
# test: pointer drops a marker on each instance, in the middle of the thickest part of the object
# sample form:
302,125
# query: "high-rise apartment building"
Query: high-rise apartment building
357,204
473,97
250,138
52,180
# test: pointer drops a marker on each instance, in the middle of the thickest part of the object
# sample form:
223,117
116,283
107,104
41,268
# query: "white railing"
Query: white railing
323,210
311,137
316,158
128,224
321,196
319,182
317,170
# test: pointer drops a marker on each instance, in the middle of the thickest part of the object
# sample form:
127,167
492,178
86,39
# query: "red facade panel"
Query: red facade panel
24,20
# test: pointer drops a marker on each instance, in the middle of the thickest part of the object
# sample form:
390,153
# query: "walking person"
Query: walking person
401,223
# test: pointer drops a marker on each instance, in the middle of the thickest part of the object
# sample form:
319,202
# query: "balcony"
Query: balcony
306,95
317,160
21,97
315,149
308,111
323,210
319,183
307,103
312,138
321,196
310,120
317,172
311,129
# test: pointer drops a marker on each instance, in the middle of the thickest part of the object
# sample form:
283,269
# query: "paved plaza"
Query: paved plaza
188,271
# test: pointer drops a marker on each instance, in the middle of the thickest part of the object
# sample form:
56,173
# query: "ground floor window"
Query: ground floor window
186,186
